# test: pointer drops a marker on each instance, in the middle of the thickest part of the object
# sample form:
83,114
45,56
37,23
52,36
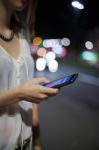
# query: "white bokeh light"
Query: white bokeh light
51,43
40,64
45,43
53,66
50,56
65,41
77,5
58,50
89,45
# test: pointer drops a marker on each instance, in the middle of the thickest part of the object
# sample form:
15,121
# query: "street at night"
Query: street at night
70,120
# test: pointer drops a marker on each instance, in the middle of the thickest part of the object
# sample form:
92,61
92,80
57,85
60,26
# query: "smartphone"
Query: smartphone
62,81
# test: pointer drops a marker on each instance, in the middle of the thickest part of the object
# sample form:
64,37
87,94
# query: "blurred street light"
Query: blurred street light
40,64
77,5
65,41
89,56
89,45
53,66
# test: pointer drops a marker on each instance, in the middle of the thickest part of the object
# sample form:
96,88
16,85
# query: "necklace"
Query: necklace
7,39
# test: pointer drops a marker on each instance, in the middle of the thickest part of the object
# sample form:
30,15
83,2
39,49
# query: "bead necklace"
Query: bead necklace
7,39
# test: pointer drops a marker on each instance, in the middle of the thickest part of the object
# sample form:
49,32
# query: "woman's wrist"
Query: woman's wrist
14,94
19,93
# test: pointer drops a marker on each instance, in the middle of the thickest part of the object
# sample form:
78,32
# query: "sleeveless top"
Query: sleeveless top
15,119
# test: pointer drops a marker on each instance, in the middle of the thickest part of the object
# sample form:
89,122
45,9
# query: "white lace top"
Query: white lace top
15,119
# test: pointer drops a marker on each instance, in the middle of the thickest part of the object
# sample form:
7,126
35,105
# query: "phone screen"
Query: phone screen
62,81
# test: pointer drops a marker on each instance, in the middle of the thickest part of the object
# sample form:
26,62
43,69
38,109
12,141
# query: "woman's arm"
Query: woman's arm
36,128
9,97
30,91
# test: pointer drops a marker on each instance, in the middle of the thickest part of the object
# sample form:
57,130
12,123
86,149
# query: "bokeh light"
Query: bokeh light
89,56
34,48
37,41
40,64
50,56
65,42
51,43
64,52
58,50
77,5
53,66
41,52
89,45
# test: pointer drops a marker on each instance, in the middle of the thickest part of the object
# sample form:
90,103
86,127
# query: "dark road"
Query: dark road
70,120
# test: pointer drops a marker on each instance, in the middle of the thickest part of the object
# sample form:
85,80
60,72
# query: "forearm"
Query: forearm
36,136
36,128
10,96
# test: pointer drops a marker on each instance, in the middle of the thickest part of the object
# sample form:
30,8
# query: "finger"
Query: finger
43,96
41,80
49,90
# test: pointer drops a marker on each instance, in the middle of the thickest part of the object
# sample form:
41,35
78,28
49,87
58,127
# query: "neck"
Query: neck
5,16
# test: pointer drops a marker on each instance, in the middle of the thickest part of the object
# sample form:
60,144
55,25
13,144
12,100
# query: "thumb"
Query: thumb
42,80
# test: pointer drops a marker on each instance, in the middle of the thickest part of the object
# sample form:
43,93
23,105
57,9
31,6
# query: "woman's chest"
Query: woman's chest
5,65
20,69
13,47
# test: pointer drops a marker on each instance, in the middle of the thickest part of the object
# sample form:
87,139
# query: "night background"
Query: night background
57,18
69,120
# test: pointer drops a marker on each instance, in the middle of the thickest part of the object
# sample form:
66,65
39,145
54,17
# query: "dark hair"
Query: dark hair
31,16
16,24
19,21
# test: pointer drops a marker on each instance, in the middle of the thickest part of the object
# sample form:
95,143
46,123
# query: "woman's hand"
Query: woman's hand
33,91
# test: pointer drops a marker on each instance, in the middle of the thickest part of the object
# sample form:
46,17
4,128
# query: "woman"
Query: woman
19,92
